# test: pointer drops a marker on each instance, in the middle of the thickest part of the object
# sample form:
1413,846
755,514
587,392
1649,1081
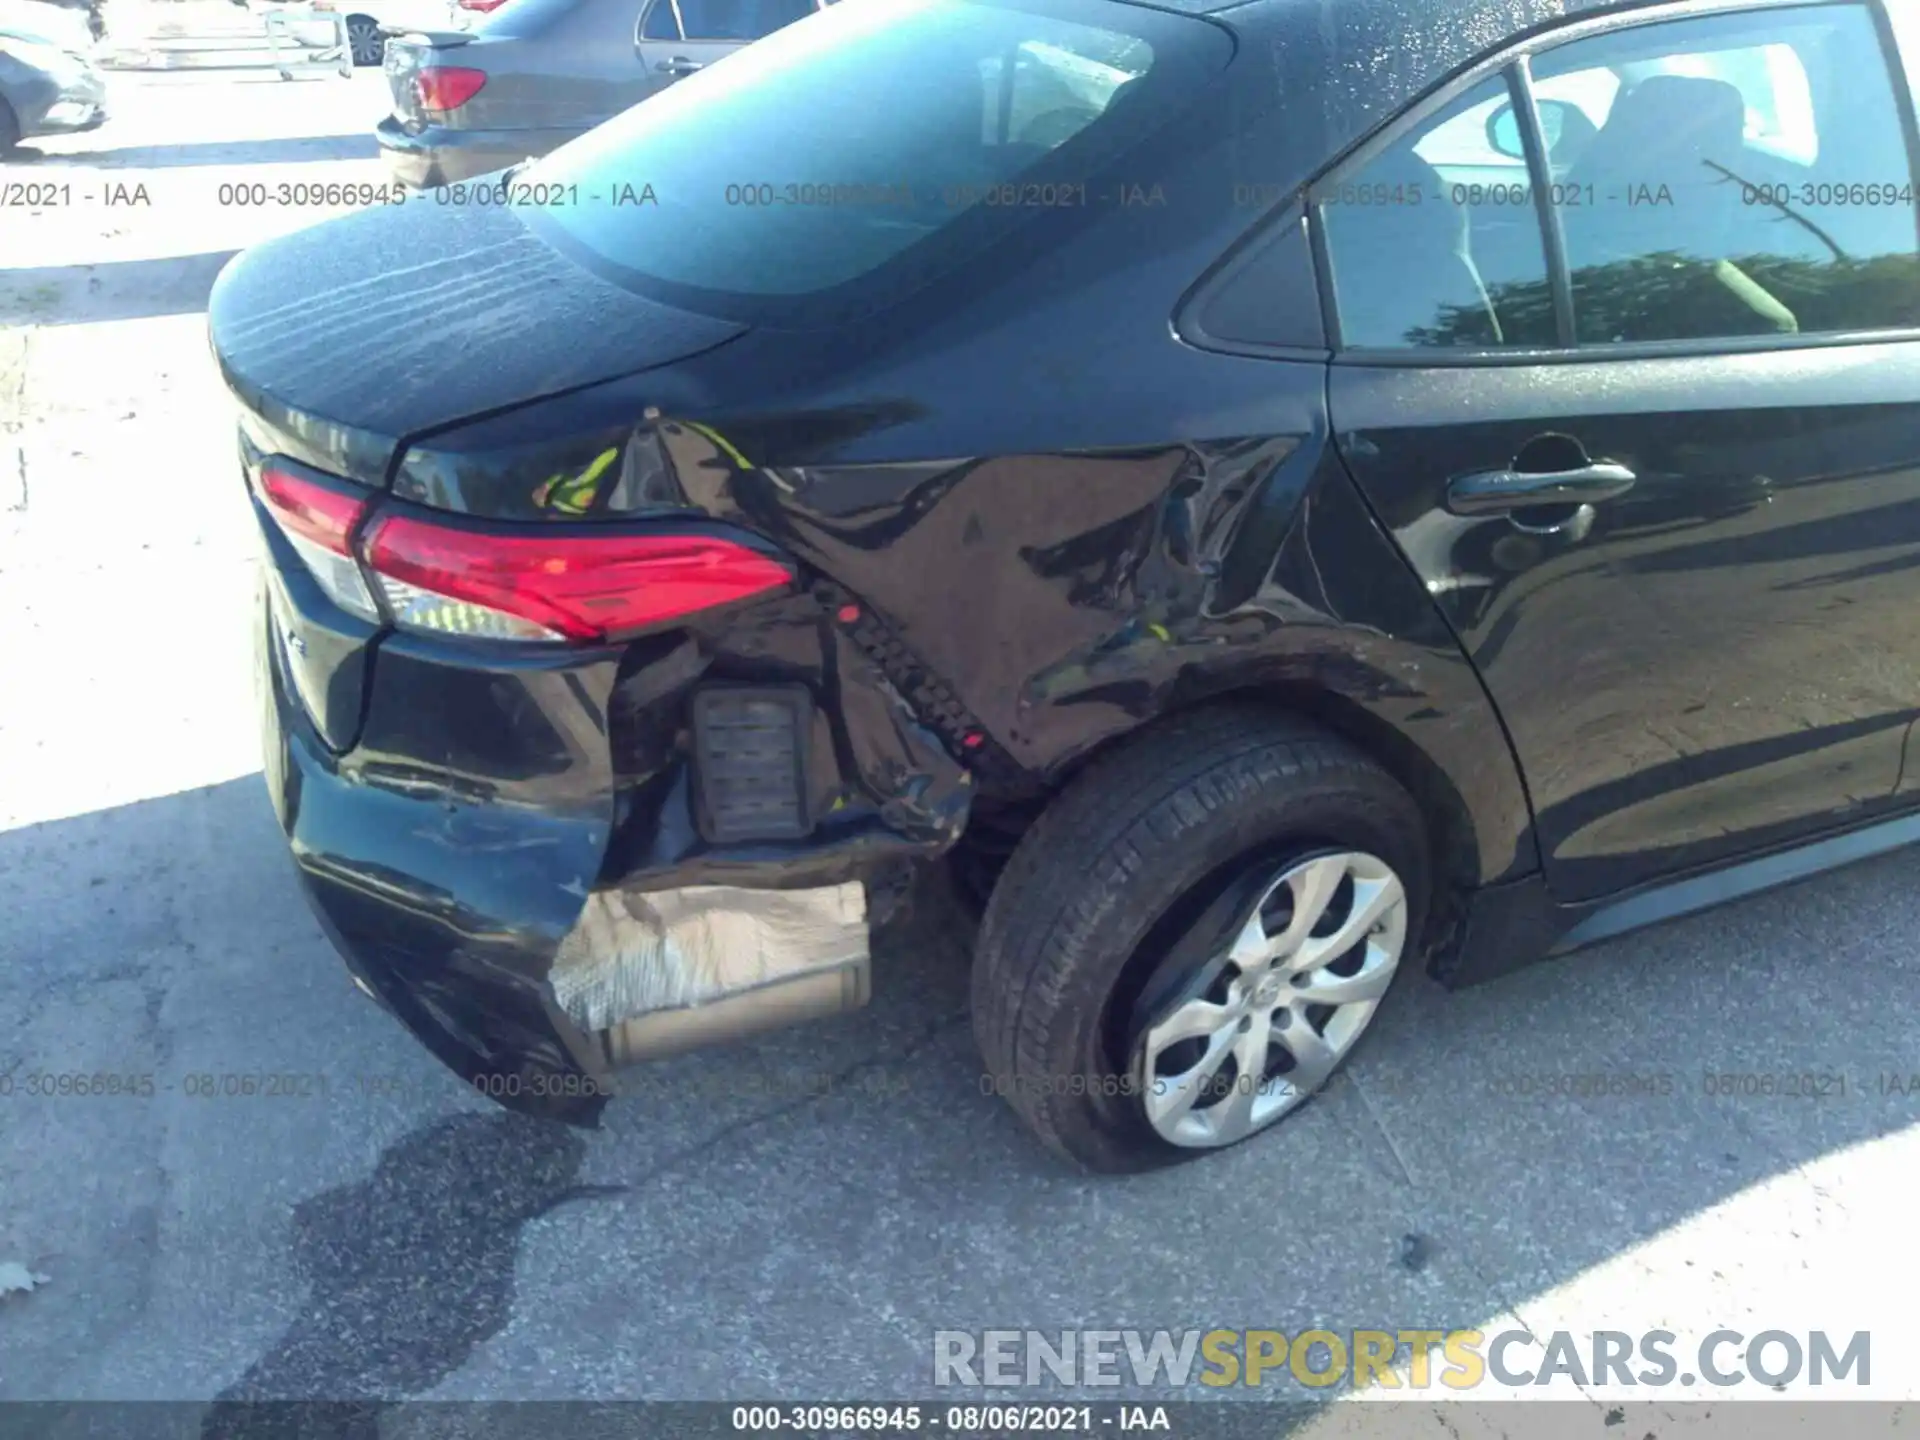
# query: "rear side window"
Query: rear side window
659,22
1721,176
851,156
739,20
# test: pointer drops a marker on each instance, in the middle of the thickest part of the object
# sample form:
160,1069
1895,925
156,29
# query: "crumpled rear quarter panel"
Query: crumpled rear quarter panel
452,852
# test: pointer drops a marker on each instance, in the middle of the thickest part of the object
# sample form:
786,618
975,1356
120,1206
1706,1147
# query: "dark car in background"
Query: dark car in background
533,74
1280,492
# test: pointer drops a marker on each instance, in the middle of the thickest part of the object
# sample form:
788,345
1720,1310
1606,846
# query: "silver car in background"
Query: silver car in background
49,84
534,74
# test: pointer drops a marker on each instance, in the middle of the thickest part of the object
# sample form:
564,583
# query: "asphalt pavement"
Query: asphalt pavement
790,1218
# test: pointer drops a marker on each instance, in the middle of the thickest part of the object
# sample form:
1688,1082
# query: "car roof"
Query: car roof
1337,68
1489,21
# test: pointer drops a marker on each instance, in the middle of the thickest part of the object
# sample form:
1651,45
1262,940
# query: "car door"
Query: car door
1645,418
675,38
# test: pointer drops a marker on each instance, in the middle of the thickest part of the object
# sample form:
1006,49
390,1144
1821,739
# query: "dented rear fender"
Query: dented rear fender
451,854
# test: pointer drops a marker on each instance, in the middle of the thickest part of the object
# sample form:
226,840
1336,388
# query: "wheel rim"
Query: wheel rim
1287,1000
363,38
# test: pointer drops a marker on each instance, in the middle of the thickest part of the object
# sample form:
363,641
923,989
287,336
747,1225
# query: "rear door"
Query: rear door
1644,414
676,38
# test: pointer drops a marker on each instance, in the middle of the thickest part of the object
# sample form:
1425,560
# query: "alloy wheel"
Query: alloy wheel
1283,1006
364,40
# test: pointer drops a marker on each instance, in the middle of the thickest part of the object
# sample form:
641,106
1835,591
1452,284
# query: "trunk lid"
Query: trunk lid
354,335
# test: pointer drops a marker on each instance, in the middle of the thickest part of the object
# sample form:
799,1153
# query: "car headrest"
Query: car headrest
1672,116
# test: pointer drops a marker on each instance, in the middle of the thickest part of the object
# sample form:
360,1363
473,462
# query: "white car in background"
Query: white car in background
37,20
362,25
49,84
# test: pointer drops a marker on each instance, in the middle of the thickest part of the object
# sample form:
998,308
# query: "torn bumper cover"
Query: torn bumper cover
658,973
513,855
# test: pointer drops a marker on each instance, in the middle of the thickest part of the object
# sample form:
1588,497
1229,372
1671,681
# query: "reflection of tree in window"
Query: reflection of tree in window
1665,297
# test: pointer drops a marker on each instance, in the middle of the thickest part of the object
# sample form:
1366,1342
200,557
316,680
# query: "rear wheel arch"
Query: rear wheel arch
1452,834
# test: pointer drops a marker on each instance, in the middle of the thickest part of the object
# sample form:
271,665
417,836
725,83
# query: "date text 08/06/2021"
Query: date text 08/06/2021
879,1419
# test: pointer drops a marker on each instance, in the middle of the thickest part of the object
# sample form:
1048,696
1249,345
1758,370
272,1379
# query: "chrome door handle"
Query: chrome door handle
678,65
1489,492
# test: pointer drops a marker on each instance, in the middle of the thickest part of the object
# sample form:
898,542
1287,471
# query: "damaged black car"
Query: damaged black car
1274,495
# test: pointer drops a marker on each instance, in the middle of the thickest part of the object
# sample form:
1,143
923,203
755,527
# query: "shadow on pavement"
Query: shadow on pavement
290,150
416,1285
110,289
796,1216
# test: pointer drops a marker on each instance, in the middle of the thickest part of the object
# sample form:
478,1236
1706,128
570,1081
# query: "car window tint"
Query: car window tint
1039,92
1435,242
739,20
715,19
774,15
659,23
869,149
1748,178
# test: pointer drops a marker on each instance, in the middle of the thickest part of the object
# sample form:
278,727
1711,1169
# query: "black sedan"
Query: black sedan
1275,493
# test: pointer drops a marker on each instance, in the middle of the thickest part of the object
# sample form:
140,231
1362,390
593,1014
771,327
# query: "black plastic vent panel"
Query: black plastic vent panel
750,761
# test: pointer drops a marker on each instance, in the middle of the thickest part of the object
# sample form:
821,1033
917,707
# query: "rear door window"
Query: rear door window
1735,175
659,23
1750,177
772,15
739,21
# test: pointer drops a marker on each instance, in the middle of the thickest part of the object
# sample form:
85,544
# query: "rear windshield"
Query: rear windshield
852,156
522,19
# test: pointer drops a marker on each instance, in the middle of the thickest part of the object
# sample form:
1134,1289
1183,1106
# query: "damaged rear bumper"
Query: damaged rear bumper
524,859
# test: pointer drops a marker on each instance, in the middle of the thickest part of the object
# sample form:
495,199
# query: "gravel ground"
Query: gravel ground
798,1216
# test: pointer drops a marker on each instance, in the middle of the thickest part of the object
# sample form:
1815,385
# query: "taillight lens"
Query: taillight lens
483,6
447,87
318,521
530,585
577,587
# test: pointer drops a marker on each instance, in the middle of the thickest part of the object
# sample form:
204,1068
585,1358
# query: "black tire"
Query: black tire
1131,864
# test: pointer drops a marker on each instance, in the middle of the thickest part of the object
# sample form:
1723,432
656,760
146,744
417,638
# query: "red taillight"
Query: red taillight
574,587
309,509
483,6
538,584
318,519
447,87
